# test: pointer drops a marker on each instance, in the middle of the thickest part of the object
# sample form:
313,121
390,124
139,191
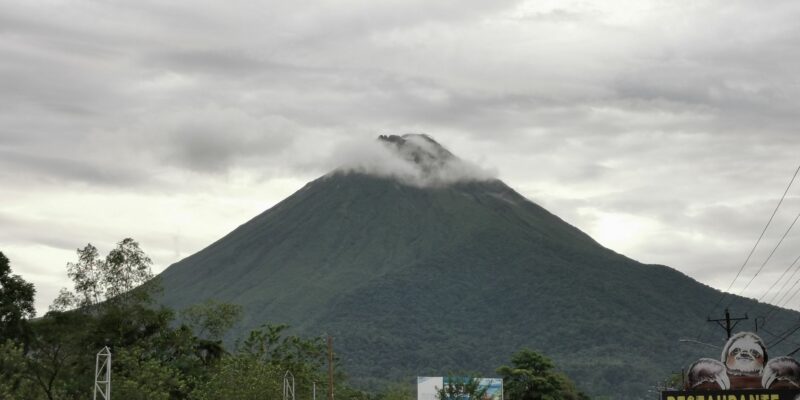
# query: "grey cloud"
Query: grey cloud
52,169
215,150
17,230
54,33
213,139
686,116
228,63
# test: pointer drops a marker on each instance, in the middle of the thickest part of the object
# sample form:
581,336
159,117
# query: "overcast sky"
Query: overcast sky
667,130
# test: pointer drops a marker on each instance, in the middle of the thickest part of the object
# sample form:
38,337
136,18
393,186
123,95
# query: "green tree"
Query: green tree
257,368
461,388
125,268
398,391
58,360
141,376
675,381
13,383
211,319
242,377
16,302
86,275
305,358
532,376
109,310
153,358
124,275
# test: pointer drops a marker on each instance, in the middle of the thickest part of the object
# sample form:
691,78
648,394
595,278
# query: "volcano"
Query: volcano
431,266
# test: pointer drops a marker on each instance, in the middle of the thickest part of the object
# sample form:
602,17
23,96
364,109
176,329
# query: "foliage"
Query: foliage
57,360
211,319
461,388
304,358
675,381
154,358
257,368
110,280
141,376
397,391
13,385
532,376
16,302
242,377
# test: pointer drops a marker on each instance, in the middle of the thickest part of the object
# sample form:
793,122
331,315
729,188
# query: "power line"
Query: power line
725,292
784,336
779,279
786,282
772,301
778,336
783,306
769,257
774,310
790,298
698,342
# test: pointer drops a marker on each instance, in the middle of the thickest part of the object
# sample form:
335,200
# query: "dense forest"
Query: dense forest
159,353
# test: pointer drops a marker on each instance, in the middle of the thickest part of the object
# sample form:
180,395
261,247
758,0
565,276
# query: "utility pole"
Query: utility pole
763,322
728,327
683,379
330,367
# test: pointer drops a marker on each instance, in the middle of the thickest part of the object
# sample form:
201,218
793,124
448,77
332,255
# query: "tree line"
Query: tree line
160,354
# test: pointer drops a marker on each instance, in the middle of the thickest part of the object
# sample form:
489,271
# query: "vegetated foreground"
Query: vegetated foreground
53,357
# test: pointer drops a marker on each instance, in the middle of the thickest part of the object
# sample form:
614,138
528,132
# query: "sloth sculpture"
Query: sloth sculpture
744,364
744,354
707,373
781,373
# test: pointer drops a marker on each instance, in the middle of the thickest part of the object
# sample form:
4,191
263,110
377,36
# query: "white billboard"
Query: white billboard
428,387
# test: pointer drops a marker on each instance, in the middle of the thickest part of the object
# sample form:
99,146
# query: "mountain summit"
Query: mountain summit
419,266
420,149
413,159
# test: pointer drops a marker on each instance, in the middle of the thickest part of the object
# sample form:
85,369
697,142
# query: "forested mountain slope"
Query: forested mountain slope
429,279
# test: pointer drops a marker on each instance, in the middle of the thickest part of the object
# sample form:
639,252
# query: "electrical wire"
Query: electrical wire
796,266
776,336
753,249
774,310
769,257
763,231
784,336
780,279
790,298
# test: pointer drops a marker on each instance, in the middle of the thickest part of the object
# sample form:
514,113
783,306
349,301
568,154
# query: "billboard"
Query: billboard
752,394
428,386
744,371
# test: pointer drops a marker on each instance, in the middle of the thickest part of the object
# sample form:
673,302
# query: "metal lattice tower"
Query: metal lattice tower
288,386
102,375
